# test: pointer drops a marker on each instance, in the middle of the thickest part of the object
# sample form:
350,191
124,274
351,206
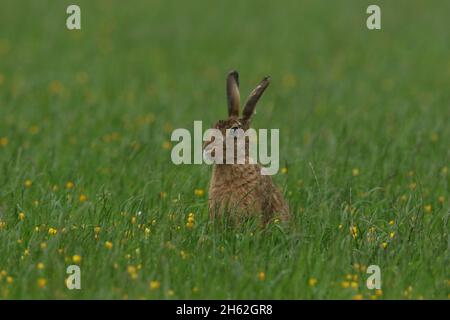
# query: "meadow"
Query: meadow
85,171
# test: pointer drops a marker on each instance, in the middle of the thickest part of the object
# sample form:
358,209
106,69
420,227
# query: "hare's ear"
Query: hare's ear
250,105
233,94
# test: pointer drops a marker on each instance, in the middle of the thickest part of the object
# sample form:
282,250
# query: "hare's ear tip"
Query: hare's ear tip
233,73
267,78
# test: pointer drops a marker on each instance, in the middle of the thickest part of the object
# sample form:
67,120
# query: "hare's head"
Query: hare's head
235,121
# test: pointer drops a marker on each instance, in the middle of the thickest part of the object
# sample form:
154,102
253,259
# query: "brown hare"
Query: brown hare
240,191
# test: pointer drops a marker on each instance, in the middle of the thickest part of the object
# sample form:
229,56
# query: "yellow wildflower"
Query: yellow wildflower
189,225
70,185
261,276
154,285
108,245
132,271
4,141
312,282
52,231
42,283
76,259
354,231
199,192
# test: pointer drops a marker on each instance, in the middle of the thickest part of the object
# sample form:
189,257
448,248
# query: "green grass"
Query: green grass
96,106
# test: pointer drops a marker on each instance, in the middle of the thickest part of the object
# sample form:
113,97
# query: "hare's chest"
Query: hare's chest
237,192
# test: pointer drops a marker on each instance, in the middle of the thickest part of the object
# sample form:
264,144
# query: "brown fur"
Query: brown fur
239,190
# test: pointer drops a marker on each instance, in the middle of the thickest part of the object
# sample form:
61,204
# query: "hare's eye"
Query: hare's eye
234,130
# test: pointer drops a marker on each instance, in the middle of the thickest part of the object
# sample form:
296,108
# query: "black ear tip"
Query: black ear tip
233,73
267,78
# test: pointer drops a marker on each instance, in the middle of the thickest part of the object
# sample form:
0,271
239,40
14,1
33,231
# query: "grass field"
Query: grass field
85,170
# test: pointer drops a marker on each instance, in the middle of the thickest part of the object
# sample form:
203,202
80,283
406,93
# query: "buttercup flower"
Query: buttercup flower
312,282
261,276
354,231
4,141
42,283
154,285
108,245
199,192
190,221
76,259
70,185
